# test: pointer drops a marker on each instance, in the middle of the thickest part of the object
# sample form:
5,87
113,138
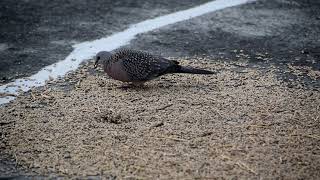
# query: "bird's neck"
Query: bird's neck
107,65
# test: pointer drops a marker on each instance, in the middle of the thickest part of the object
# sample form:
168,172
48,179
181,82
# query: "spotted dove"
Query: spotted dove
134,66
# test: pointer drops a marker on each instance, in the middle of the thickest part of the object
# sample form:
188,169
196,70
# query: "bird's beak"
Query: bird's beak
95,63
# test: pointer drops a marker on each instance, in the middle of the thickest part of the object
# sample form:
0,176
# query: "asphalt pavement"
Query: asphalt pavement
34,34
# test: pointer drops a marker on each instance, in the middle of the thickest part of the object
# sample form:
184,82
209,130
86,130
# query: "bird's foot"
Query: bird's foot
132,85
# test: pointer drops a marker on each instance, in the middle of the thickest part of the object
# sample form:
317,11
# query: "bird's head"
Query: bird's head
101,56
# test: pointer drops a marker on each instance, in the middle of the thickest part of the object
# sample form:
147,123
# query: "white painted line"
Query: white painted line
87,50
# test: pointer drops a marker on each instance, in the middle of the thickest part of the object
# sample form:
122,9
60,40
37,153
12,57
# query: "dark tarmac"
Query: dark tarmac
34,34
283,32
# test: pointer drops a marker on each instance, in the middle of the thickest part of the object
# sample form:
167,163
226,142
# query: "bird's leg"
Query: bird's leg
133,85
138,84
125,86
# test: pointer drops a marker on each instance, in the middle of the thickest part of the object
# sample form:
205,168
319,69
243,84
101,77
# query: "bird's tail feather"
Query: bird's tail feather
191,70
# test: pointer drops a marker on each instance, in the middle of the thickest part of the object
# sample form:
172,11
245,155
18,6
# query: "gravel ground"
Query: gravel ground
242,122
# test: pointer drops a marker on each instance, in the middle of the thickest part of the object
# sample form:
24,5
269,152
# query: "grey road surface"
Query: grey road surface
34,34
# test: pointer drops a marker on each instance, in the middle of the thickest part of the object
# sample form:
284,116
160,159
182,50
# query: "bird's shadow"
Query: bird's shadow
161,85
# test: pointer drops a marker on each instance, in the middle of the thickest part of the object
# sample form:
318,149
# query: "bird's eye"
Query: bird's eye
98,58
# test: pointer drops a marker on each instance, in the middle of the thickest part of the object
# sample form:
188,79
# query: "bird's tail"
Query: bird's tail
191,70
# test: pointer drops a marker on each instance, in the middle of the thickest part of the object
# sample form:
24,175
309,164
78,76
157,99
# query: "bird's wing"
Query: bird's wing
142,66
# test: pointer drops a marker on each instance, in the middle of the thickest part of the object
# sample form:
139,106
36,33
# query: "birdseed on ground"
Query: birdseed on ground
242,122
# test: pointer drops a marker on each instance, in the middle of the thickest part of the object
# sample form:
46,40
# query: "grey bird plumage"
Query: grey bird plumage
134,66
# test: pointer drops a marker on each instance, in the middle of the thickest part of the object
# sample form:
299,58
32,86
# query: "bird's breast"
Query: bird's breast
117,72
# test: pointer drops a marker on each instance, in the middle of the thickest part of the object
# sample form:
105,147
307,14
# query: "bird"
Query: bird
137,67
